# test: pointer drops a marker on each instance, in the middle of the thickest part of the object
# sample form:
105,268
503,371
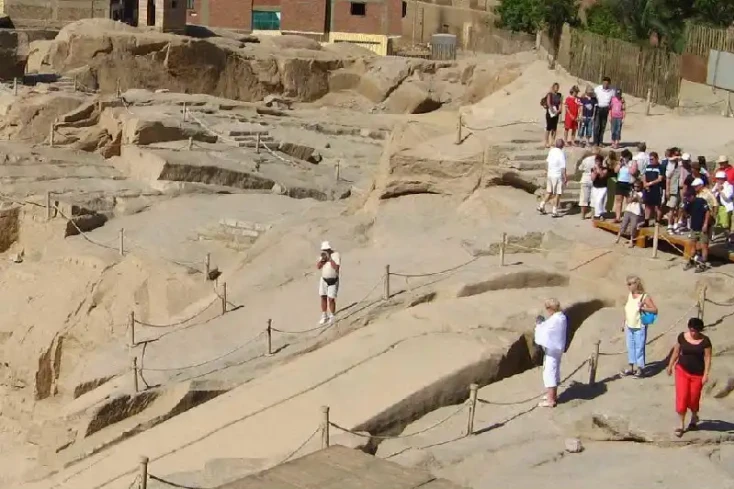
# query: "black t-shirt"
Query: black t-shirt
599,181
697,209
689,179
652,173
691,357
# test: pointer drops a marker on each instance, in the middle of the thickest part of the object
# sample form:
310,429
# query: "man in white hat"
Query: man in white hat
329,263
724,166
724,193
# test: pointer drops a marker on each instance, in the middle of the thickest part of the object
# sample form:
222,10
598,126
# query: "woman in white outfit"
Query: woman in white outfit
599,181
550,334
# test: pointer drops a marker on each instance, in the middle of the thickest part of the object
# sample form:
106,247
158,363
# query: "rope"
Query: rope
513,123
323,326
201,364
290,455
720,304
82,233
386,437
135,484
178,323
415,275
172,484
534,398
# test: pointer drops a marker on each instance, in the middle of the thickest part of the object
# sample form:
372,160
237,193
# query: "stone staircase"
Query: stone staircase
247,138
234,233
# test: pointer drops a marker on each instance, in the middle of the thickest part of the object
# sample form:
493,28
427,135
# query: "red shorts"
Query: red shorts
687,391
570,124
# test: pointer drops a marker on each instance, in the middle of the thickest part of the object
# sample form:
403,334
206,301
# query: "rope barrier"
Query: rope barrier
513,123
300,447
179,323
429,274
172,484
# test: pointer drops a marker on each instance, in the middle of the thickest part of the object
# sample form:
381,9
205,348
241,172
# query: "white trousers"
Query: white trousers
599,200
552,369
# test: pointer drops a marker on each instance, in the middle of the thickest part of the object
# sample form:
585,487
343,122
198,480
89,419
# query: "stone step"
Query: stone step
528,156
247,132
527,165
251,144
263,138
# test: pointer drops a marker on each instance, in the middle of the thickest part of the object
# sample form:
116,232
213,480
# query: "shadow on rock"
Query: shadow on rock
581,391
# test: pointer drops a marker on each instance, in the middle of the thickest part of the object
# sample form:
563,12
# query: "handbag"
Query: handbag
647,317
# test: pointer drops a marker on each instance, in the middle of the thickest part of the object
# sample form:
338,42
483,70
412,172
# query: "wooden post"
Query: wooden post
325,427
594,363
224,298
118,91
648,101
184,112
458,131
132,328
337,170
257,143
75,84
143,473
538,37
135,374
51,135
386,294
473,390
208,264
503,247
48,206
655,240
15,86
122,242
191,143
701,303
270,337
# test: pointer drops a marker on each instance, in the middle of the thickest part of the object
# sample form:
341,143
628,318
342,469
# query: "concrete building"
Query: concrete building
54,13
162,15
370,23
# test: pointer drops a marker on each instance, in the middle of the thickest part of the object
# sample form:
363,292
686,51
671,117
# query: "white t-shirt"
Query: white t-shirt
328,271
586,165
556,163
604,96
643,161
635,207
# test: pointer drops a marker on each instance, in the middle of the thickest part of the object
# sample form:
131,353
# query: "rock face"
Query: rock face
15,49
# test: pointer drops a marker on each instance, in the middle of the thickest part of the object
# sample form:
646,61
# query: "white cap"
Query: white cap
686,156
720,174
696,182
722,159
325,246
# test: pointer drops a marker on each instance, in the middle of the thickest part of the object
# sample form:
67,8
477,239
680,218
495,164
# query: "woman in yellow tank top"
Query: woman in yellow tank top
636,332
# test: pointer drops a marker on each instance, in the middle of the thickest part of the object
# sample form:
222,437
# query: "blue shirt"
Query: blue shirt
624,174
589,104
697,209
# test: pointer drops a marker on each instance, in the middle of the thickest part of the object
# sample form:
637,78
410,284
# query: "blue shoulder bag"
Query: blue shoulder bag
646,317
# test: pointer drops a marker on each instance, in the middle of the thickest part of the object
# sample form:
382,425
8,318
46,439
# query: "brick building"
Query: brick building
162,15
366,22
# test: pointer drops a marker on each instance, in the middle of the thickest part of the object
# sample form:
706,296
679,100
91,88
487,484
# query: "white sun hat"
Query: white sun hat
325,245
722,159
696,182
686,156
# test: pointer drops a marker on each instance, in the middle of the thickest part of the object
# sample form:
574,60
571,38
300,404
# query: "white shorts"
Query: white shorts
551,370
326,290
585,195
554,185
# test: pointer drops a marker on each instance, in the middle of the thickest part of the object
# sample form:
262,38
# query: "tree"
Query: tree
719,13
532,15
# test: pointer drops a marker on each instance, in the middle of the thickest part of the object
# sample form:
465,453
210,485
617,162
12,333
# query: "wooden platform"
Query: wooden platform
646,234
339,467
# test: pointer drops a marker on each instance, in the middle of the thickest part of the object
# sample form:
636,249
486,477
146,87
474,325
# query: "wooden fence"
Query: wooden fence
493,40
700,39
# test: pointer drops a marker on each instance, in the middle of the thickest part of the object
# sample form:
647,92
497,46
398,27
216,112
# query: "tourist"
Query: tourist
550,334
691,359
604,94
632,214
599,180
724,166
552,114
653,185
588,103
624,184
617,111
724,193
705,193
697,209
556,178
642,158
638,305
703,165
672,188
571,120
329,263
586,167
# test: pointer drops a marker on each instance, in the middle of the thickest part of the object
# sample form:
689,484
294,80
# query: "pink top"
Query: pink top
617,108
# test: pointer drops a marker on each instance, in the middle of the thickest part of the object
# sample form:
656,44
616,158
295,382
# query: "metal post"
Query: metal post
135,374
132,328
387,282
143,473
224,298
458,131
655,240
48,206
648,101
257,143
15,86
594,363
191,143
503,247
270,337
473,391
208,264
122,242
325,427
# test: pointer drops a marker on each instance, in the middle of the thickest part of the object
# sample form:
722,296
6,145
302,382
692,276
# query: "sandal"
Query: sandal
678,432
692,426
545,403
627,372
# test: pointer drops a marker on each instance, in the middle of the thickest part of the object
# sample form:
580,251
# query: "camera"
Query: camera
324,256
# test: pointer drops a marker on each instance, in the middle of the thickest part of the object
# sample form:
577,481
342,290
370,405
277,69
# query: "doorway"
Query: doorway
151,12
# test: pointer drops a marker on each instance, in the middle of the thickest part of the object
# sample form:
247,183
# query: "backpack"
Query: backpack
544,102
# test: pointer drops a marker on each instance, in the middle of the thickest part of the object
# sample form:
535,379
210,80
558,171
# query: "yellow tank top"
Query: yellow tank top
632,311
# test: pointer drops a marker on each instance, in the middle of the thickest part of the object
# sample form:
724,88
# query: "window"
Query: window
405,9
265,20
174,4
190,4
358,8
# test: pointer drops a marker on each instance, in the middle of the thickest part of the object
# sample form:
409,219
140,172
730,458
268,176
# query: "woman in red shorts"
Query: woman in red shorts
691,359
571,121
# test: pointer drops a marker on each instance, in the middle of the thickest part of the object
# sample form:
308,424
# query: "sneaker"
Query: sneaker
639,374
542,210
330,319
689,264
700,267
545,403
324,319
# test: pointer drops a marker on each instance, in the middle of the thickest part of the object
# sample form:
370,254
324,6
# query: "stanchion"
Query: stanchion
143,473
48,206
270,337
503,247
122,242
655,240
473,391
131,325
648,101
458,131
386,293
15,86
257,143
135,374
208,265
224,298
51,134
183,112
594,363
191,143
325,427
